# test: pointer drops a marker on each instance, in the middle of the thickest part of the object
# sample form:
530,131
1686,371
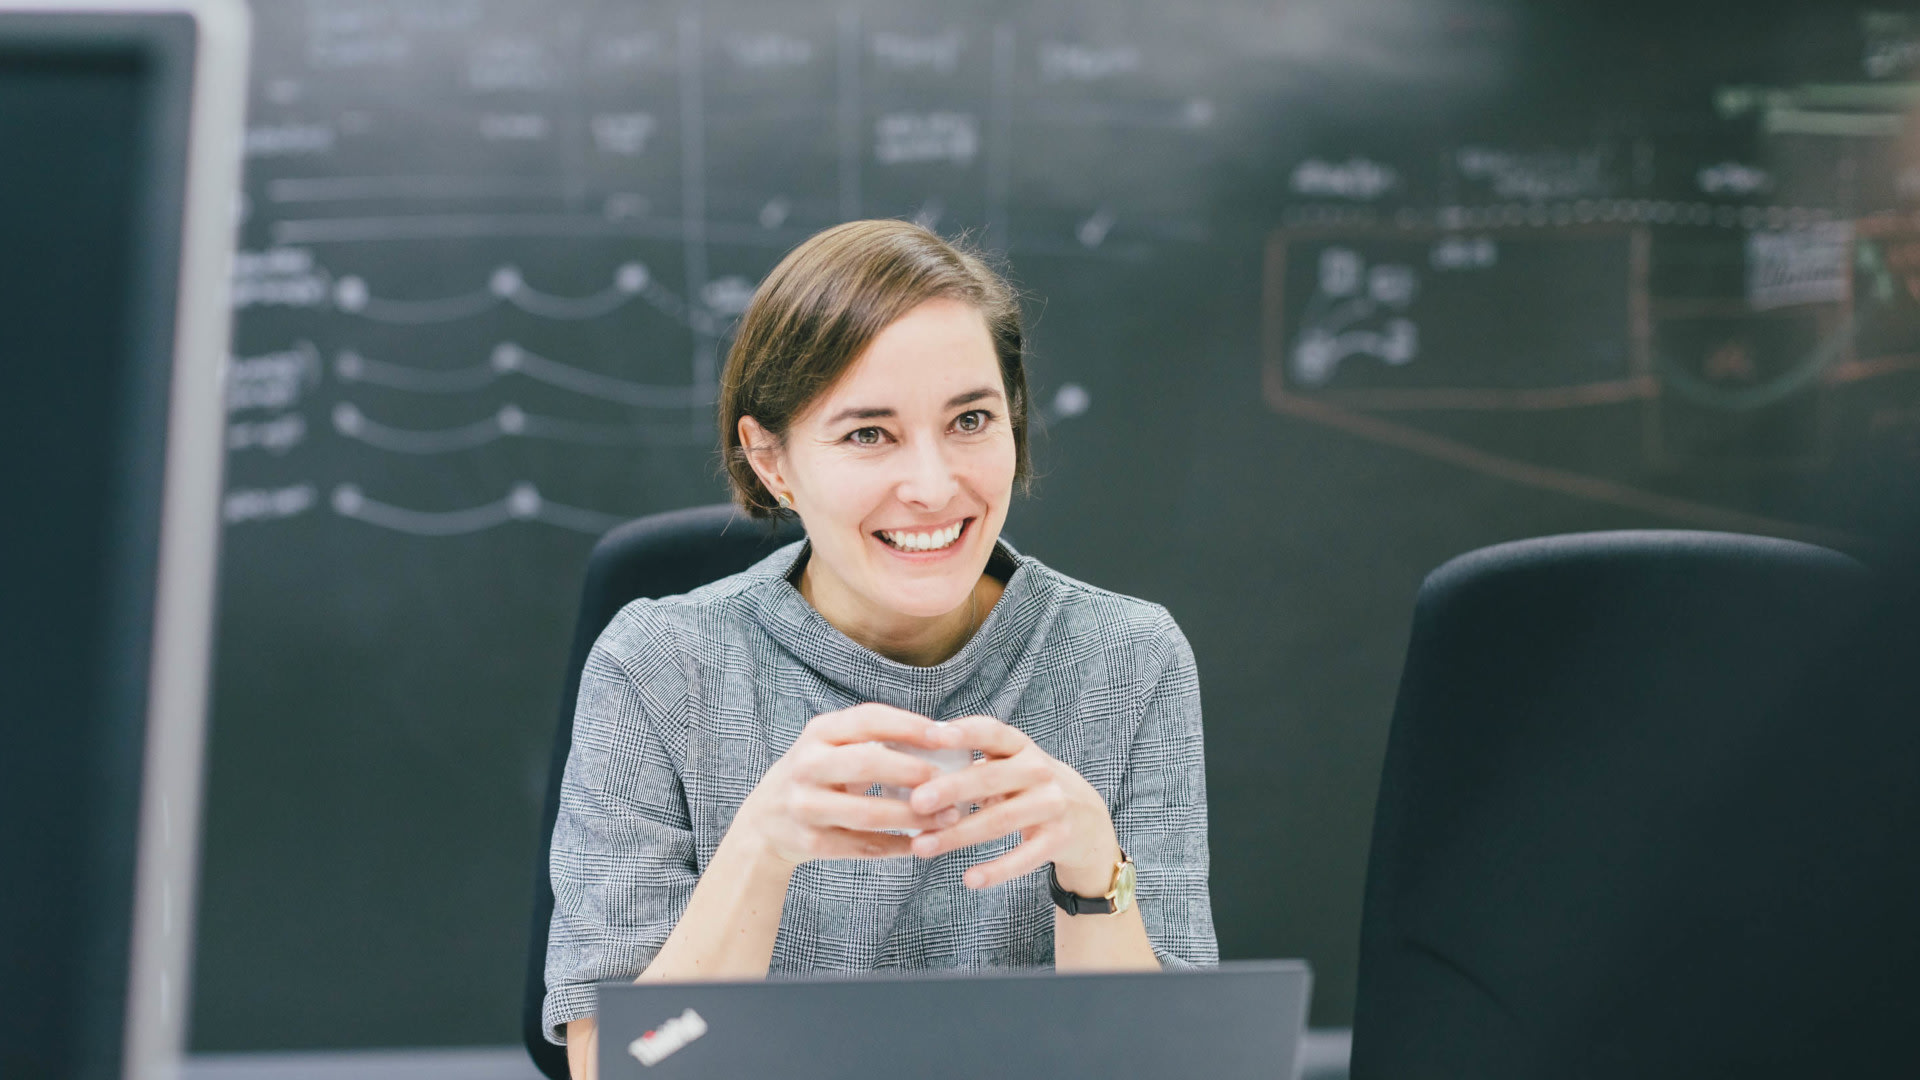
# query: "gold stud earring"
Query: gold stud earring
785,503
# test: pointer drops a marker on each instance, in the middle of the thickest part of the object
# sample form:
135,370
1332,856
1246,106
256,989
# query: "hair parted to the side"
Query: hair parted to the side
825,302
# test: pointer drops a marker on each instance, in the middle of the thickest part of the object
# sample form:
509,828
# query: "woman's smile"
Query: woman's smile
924,543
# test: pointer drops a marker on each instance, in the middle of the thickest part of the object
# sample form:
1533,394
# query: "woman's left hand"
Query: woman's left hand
1020,788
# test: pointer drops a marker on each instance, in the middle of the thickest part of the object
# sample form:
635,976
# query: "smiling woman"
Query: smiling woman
901,472
718,816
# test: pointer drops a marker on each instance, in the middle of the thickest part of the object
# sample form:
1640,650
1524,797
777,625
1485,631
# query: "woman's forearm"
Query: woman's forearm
728,929
583,1048
1102,942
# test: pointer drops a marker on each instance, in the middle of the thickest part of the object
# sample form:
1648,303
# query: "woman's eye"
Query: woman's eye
866,436
972,421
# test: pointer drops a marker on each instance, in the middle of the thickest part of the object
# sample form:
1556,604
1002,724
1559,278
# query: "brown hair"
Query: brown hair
821,307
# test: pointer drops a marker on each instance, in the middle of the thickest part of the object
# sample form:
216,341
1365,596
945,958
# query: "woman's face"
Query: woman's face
902,471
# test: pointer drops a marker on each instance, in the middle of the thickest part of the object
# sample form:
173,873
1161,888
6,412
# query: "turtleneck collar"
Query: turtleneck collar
977,679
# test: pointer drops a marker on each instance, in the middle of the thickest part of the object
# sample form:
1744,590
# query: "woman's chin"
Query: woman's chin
930,607
918,597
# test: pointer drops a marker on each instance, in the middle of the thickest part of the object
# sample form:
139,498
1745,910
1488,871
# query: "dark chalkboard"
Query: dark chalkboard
1654,271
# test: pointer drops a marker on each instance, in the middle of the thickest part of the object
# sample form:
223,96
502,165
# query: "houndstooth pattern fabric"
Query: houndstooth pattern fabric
686,701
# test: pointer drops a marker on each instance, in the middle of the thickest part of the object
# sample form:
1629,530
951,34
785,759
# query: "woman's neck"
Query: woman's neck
906,639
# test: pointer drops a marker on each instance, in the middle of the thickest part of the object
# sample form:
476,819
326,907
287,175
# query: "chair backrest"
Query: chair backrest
1641,815
660,555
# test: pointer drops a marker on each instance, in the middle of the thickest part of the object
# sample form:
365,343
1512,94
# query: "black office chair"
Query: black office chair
1643,813
661,555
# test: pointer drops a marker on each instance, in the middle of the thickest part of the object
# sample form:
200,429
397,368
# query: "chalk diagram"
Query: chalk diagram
1790,334
672,406
509,421
1368,308
507,359
1356,310
506,285
523,502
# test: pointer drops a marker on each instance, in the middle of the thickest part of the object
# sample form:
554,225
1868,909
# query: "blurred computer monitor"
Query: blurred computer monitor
120,129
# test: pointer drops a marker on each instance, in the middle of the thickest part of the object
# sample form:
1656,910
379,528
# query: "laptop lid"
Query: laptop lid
1242,1019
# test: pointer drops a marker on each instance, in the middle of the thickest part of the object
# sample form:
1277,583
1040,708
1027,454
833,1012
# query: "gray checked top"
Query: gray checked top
686,701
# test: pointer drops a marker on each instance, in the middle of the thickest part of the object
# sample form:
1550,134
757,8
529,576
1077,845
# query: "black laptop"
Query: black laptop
1242,1019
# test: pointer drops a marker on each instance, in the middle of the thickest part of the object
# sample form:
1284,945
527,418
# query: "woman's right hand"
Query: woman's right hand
813,802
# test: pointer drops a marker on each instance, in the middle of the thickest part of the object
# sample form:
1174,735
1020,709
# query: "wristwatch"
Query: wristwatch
1119,895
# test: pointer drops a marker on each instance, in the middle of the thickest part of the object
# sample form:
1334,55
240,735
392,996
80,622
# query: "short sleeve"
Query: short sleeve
1160,811
623,862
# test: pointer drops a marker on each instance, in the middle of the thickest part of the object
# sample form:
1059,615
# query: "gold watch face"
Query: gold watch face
1122,894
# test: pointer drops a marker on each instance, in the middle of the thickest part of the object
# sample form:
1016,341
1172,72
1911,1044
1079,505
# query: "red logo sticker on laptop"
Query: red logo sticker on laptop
653,1047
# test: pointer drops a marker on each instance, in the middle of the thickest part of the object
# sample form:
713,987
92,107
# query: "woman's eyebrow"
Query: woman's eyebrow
858,413
972,396
875,413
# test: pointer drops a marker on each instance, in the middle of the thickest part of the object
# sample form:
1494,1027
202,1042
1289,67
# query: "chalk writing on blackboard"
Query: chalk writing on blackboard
1075,62
277,436
352,295
912,138
938,53
1808,265
1733,178
288,140
769,51
272,380
1396,319
267,504
278,277
1358,310
1535,174
509,421
523,502
510,64
622,133
508,358
1357,178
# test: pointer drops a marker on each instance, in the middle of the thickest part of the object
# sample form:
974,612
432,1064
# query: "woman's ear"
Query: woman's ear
763,454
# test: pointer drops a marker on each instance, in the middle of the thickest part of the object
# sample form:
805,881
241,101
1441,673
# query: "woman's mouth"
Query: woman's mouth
923,541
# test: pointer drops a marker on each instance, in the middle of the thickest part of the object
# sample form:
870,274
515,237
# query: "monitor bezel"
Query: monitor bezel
209,107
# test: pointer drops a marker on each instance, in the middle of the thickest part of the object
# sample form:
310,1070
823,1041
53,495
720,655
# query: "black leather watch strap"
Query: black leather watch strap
1074,903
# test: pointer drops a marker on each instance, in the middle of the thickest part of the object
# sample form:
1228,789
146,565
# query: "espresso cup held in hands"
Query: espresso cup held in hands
947,760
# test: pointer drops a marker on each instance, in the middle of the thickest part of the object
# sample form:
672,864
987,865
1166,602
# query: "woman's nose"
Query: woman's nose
929,481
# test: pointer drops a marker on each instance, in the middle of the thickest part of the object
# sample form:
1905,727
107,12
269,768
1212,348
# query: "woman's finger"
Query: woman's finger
1037,806
985,779
823,808
866,763
1029,856
987,735
874,722
858,844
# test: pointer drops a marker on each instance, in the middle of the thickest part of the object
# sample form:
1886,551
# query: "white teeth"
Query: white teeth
932,541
